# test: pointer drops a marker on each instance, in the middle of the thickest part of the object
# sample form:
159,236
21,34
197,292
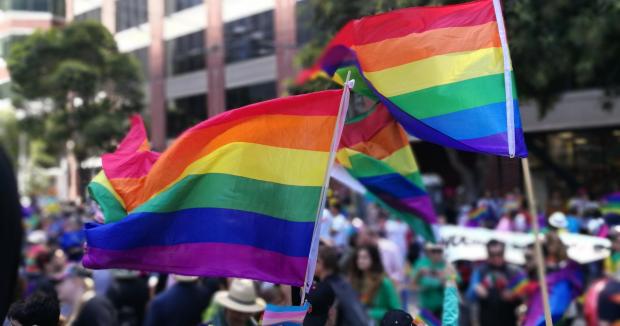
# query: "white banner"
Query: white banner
464,243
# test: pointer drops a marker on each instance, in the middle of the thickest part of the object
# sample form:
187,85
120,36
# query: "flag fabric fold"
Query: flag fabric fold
439,70
375,150
123,172
234,196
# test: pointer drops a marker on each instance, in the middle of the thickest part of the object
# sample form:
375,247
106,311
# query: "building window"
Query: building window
130,13
94,14
55,7
186,53
173,6
6,42
242,96
184,113
249,37
142,55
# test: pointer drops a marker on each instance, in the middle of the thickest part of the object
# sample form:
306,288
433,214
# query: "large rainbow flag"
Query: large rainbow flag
441,71
375,150
236,196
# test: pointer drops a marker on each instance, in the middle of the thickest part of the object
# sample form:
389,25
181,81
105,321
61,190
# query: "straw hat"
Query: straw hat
240,297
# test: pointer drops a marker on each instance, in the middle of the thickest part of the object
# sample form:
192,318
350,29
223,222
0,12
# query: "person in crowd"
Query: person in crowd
340,226
608,306
396,231
348,308
429,275
490,287
76,290
555,252
321,298
392,259
237,306
11,232
573,220
557,222
129,293
612,262
40,309
508,221
397,317
366,274
180,304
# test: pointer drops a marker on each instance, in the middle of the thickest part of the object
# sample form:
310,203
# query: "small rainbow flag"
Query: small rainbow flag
611,204
428,318
518,284
234,196
284,315
375,150
444,73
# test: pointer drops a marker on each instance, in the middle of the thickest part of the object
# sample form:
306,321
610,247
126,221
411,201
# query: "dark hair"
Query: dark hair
39,309
376,267
495,243
330,258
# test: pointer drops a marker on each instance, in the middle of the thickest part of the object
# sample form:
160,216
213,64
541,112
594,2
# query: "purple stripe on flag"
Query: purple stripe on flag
419,206
497,144
204,259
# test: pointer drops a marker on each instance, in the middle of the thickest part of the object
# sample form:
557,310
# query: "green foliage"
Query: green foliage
9,134
556,45
74,84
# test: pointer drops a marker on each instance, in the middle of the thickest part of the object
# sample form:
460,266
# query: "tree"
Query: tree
74,85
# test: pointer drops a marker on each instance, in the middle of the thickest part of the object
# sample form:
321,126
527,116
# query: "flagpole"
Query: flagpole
314,248
540,266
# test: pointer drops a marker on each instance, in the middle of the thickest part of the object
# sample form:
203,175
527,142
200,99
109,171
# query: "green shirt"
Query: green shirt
430,285
385,299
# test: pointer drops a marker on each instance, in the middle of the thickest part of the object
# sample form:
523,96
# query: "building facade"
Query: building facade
201,57
19,18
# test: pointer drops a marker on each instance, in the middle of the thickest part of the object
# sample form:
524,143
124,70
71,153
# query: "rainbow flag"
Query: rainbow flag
441,72
375,150
123,172
518,283
611,204
284,315
234,196
428,318
564,286
476,216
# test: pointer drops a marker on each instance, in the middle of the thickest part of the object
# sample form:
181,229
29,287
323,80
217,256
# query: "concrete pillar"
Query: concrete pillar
108,15
216,81
285,42
157,74
69,11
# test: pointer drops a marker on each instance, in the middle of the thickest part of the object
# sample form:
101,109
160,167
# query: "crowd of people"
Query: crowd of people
366,272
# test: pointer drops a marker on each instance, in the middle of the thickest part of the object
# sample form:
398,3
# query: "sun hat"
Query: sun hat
558,220
240,297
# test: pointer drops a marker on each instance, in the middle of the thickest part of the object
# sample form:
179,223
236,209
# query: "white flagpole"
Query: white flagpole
314,248
510,110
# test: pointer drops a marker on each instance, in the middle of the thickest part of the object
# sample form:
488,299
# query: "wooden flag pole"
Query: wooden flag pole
540,264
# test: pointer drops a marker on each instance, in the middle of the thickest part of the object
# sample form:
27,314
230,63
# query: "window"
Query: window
242,96
94,14
184,113
186,53
249,37
130,13
142,55
56,7
173,6
6,42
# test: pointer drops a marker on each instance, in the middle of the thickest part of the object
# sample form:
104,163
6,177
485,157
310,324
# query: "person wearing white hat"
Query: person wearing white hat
238,305
558,220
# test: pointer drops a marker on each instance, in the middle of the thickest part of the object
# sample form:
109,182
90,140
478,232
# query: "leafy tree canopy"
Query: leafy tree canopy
74,85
